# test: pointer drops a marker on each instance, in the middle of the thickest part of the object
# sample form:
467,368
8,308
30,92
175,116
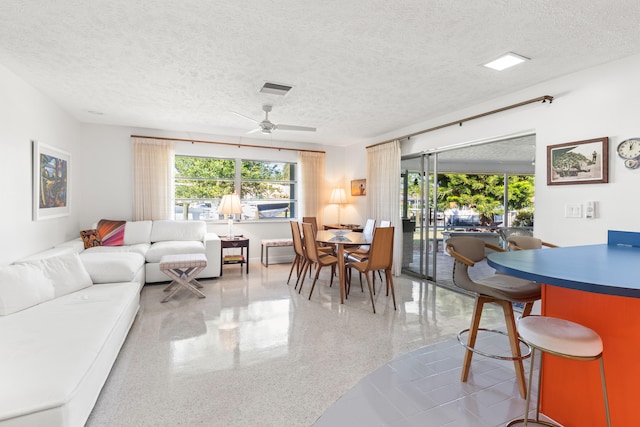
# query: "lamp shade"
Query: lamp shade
338,196
230,205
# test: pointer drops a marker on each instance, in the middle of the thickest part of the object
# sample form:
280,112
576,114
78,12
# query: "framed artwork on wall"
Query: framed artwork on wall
580,162
50,181
359,187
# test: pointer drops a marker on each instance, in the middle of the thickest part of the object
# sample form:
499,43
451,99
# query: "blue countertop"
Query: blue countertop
605,269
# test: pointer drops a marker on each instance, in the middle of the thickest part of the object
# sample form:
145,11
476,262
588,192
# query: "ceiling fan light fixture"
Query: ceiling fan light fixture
505,61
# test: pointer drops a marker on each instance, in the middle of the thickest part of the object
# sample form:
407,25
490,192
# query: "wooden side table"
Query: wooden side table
234,242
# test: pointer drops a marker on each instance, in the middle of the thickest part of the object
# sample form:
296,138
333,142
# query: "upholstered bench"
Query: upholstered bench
271,243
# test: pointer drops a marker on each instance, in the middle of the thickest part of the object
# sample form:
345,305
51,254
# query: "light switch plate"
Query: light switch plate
573,210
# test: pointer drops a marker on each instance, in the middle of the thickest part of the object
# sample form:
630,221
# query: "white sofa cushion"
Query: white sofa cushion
140,248
23,286
137,232
166,230
56,356
159,249
112,267
67,273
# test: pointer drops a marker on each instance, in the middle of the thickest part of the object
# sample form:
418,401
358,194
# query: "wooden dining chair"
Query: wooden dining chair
314,257
299,259
325,250
380,258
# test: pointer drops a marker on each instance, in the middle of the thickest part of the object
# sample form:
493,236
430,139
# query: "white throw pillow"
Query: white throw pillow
66,272
23,286
137,232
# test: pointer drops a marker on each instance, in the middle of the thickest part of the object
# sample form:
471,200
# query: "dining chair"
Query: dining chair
299,259
314,257
367,231
314,224
380,258
518,243
500,289
357,255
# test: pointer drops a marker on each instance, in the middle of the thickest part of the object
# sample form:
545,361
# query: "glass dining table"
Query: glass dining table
341,238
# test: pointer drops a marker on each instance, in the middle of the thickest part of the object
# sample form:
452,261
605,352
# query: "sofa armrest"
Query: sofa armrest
212,250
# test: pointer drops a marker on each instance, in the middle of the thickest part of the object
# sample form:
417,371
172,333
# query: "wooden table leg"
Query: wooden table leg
340,249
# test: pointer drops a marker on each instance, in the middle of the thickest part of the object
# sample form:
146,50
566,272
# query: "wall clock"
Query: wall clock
629,150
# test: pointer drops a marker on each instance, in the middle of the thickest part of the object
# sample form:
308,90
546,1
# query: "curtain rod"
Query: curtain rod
544,98
228,143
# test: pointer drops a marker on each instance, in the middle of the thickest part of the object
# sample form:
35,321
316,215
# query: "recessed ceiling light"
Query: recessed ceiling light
275,89
507,60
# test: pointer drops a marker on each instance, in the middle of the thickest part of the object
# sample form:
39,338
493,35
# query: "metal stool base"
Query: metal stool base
493,356
531,422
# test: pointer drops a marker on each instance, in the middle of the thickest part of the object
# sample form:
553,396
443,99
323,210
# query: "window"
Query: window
267,189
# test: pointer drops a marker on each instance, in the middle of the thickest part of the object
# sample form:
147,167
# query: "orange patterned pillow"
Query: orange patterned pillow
90,238
111,232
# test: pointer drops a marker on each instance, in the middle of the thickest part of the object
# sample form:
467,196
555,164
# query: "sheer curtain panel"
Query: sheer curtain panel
383,192
152,179
312,173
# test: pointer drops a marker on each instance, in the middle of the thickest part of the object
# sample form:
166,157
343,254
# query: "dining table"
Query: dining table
598,287
341,238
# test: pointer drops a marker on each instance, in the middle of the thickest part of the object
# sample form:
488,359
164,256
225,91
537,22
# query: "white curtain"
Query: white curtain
152,179
383,192
312,182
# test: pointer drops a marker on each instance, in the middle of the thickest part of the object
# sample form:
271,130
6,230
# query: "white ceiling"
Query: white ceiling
360,69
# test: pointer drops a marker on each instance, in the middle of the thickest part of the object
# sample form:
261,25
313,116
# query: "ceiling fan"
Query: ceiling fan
266,126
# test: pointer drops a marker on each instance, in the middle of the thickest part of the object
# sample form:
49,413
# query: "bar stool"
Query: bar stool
560,338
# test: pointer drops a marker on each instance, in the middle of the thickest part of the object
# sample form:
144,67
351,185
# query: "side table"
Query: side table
234,242
182,269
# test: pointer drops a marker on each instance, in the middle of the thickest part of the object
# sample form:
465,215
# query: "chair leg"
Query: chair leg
315,279
333,273
509,319
304,274
373,304
473,333
527,309
296,260
390,284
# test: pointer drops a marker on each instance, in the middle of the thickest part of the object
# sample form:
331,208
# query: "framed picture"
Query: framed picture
51,169
581,162
359,187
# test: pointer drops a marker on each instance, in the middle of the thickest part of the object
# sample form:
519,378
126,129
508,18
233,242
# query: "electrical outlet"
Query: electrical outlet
573,210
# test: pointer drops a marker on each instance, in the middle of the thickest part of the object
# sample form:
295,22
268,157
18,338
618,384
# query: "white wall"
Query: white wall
26,115
601,101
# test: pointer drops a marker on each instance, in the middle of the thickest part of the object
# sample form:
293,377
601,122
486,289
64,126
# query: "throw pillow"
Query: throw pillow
90,238
111,232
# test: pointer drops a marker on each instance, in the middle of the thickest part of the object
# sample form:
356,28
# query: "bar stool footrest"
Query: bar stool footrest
489,355
520,422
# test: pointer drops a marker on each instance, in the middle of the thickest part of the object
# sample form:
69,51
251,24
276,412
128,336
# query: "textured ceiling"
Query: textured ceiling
360,69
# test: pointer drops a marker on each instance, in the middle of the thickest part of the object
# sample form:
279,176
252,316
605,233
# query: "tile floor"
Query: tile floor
257,353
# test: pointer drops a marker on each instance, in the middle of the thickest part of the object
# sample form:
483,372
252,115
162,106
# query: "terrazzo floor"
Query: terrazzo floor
254,352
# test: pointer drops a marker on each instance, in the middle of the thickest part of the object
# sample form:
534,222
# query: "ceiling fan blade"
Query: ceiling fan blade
255,130
291,127
246,117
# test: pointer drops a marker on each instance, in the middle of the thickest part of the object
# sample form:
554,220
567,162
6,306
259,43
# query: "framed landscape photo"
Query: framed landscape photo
50,181
580,162
359,187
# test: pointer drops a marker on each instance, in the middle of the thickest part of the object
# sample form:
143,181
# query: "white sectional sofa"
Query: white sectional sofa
60,334
153,239
66,312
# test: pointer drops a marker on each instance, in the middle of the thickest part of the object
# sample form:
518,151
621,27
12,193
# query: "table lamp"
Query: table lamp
338,197
230,205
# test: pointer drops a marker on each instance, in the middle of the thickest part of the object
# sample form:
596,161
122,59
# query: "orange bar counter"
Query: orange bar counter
597,286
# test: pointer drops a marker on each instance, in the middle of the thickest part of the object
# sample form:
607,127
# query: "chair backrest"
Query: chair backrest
297,238
310,245
518,243
384,223
381,252
368,227
313,221
471,248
